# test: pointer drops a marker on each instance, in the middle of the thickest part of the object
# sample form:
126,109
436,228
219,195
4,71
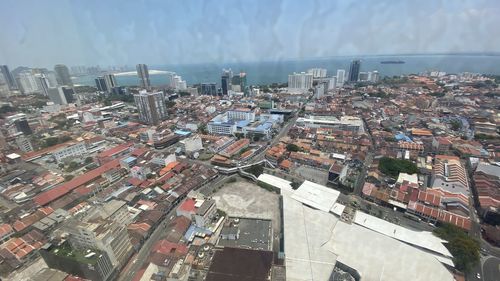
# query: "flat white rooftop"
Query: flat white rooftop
423,239
317,196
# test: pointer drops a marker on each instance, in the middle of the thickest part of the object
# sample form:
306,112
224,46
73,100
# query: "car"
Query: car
478,276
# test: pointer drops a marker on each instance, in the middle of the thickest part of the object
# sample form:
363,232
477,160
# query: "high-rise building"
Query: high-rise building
62,75
179,84
170,79
364,76
375,76
227,76
209,89
43,84
102,234
61,95
100,83
9,79
143,74
354,71
151,107
302,81
340,77
321,90
23,126
243,82
110,81
317,72
28,83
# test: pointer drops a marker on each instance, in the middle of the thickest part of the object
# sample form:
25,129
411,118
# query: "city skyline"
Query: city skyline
181,33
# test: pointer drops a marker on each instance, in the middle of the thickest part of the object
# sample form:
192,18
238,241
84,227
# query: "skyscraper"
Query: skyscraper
209,89
61,95
110,81
227,76
340,77
151,107
300,81
317,72
43,84
27,82
143,74
354,71
100,83
9,79
62,75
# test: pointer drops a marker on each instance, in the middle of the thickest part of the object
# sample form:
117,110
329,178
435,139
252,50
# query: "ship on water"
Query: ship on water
392,62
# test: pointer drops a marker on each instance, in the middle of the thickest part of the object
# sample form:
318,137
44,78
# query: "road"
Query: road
491,269
138,259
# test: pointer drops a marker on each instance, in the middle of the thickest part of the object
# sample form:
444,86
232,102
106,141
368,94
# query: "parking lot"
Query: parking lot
246,199
312,174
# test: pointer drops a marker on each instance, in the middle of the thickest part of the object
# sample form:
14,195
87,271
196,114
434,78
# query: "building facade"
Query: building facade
302,81
354,71
151,107
62,75
143,74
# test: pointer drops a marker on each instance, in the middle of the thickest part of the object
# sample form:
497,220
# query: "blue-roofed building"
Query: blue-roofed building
182,133
128,162
263,129
402,137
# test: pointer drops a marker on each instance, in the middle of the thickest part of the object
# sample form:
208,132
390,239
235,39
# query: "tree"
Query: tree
456,125
68,177
465,250
72,166
150,176
203,129
256,138
88,160
292,147
393,167
256,170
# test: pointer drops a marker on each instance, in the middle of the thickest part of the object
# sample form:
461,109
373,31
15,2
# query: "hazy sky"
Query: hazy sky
44,33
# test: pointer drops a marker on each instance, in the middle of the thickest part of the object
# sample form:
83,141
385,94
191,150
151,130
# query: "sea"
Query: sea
267,72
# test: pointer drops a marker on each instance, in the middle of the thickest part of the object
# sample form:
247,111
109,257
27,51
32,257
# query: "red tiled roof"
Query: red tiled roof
114,150
50,195
5,229
167,247
188,205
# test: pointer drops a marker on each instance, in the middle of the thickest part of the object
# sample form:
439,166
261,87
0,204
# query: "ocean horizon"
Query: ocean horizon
267,72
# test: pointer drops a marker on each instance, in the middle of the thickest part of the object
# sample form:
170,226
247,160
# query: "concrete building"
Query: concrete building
71,150
340,77
450,181
143,74
317,72
7,76
105,235
226,81
209,89
62,75
61,95
300,81
349,123
317,240
94,265
205,213
321,90
151,107
24,143
354,71
179,84
43,84
27,82
221,125
487,184
100,83
239,114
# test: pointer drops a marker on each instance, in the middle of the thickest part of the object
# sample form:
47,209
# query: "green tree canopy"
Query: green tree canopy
393,167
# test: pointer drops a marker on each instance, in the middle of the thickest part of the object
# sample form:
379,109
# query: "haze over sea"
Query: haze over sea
259,73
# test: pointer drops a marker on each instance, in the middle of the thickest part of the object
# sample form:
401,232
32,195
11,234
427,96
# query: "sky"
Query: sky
125,32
